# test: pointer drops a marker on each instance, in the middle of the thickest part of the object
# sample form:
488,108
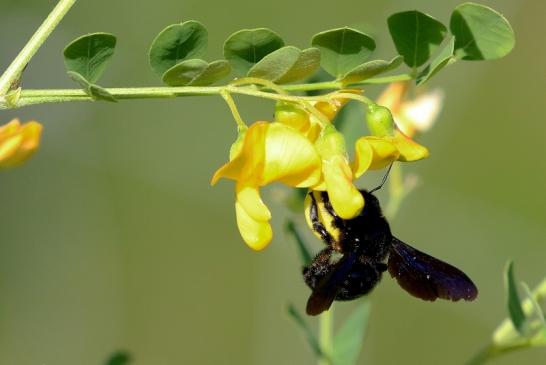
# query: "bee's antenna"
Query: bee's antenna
384,179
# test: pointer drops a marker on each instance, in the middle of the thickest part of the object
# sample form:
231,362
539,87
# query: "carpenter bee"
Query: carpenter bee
359,250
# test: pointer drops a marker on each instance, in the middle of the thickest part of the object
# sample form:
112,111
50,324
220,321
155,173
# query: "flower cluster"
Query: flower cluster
18,142
302,148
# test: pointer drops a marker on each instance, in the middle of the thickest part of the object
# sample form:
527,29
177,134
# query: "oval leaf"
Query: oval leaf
176,43
287,64
276,64
308,63
196,72
370,69
245,48
513,302
348,341
415,35
343,49
95,91
444,58
89,54
480,33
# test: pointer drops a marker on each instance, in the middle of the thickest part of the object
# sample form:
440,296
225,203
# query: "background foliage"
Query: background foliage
111,237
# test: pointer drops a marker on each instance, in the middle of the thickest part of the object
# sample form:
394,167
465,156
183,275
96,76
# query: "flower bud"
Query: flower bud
380,121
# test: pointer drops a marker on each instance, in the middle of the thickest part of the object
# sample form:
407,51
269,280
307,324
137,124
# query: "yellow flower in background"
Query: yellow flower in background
412,115
266,153
18,142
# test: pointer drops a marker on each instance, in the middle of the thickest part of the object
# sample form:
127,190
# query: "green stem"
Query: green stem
43,96
326,330
13,72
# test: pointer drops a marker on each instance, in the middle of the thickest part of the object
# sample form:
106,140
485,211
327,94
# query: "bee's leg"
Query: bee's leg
384,179
317,225
319,267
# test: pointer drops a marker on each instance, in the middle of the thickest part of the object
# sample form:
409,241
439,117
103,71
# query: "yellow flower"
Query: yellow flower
415,115
337,177
18,142
266,153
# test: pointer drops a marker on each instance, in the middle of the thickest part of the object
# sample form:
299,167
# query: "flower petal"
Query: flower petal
393,95
346,200
421,113
256,234
372,153
18,142
290,158
250,200
409,149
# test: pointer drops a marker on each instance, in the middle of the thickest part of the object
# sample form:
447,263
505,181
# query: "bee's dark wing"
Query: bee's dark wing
426,277
326,290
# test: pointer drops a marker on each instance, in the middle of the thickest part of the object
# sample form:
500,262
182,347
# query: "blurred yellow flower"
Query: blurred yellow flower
18,142
412,115
266,153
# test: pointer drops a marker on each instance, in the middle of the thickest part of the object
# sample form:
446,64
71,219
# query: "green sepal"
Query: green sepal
481,33
343,49
245,48
287,64
196,72
380,120
370,69
416,35
176,43
88,55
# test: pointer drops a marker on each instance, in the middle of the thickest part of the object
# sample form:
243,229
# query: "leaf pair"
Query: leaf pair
261,53
86,58
344,54
479,33
175,55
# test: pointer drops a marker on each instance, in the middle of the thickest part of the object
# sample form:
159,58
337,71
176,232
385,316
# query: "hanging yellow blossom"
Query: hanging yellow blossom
18,142
267,152
388,144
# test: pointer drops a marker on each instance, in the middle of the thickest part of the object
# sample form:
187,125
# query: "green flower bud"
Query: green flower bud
380,121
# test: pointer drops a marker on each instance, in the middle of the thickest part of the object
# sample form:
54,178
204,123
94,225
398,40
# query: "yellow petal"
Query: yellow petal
393,95
290,158
409,150
372,153
247,160
256,234
346,200
421,113
250,200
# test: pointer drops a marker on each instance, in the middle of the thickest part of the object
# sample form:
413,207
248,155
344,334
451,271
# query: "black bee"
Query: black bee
359,250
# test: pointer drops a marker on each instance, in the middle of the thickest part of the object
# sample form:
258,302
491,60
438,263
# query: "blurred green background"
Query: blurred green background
112,238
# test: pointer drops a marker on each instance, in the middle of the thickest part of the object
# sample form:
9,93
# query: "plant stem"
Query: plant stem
13,72
326,330
42,96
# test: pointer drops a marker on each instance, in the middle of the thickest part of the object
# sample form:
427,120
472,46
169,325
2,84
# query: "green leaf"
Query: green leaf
196,72
305,254
370,69
348,340
415,35
89,54
343,49
95,91
480,33
444,58
514,304
307,331
176,43
119,358
287,64
245,48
